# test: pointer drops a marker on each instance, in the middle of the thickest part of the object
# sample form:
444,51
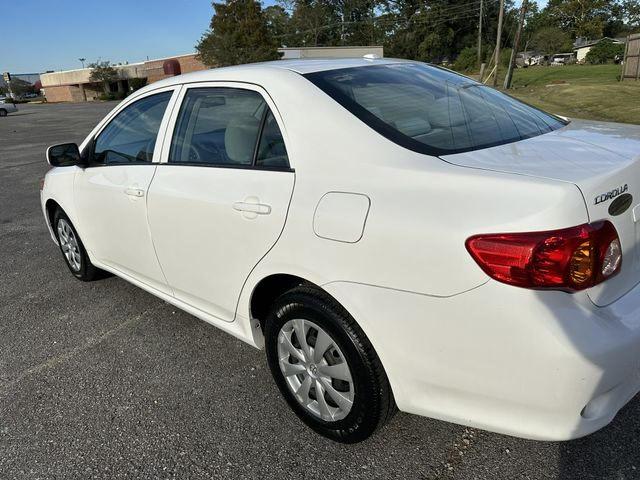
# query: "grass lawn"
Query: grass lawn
580,91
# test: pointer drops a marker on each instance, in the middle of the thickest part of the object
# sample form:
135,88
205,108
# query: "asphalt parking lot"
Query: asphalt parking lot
102,380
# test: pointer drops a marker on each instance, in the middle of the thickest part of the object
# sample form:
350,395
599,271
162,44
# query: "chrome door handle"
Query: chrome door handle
257,208
134,192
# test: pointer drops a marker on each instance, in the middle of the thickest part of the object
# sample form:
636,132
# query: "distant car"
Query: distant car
6,108
389,231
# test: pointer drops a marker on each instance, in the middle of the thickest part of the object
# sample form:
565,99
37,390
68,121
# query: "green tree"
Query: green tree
278,21
631,10
238,33
103,72
437,29
550,40
314,23
581,18
604,52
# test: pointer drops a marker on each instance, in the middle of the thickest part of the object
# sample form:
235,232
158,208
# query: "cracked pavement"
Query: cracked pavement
102,380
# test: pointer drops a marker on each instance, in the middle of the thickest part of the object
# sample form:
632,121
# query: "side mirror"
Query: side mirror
64,155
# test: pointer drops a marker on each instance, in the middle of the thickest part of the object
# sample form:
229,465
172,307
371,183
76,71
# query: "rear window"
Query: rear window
431,110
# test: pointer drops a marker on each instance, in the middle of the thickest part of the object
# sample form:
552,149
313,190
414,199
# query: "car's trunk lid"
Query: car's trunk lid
603,160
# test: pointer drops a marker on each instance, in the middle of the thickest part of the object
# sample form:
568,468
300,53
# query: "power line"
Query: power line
459,12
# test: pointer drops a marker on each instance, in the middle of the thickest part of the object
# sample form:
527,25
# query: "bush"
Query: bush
604,52
137,83
112,96
467,60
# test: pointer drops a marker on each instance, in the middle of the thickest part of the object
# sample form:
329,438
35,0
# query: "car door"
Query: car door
220,196
110,193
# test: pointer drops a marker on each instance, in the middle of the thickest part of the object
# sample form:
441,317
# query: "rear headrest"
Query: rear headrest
446,112
240,138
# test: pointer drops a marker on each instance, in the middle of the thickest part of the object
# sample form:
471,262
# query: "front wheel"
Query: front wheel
72,248
325,367
3,112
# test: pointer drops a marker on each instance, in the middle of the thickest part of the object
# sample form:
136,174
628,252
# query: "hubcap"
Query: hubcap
69,245
315,370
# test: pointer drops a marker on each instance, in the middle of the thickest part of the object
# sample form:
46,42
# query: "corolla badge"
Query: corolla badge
611,194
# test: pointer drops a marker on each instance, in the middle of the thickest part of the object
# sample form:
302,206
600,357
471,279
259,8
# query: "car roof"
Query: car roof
302,66
311,65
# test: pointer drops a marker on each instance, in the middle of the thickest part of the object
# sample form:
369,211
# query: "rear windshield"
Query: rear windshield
431,110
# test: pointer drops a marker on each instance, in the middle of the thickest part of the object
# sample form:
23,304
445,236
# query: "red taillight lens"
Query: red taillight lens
569,259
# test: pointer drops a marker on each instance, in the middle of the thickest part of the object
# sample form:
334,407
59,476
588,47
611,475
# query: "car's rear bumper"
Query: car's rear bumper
535,364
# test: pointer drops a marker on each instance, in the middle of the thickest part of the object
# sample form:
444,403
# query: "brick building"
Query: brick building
75,85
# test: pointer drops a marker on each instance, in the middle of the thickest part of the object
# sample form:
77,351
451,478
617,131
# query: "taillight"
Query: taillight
568,259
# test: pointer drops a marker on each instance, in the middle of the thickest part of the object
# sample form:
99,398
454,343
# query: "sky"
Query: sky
54,34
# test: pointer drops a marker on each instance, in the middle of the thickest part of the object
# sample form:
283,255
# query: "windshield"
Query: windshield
432,110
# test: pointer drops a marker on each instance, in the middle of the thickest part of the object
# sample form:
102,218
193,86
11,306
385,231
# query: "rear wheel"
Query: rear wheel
3,112
72,248
325,367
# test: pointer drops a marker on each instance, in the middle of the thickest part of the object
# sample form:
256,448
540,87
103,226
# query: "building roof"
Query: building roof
591,43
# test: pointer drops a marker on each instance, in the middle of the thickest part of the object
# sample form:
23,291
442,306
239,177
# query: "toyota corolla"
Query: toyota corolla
394,235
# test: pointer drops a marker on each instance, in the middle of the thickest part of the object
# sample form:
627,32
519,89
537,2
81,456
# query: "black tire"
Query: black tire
373,403
3,112
86,272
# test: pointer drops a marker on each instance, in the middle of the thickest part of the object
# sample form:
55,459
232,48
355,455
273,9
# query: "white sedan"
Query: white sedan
391,233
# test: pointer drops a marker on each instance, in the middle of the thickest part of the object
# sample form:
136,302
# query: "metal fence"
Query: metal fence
631,65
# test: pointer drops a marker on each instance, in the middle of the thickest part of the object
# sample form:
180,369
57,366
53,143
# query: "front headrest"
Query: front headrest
240,138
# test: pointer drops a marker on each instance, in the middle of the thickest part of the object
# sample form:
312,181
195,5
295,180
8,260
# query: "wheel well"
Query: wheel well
51,206
267,290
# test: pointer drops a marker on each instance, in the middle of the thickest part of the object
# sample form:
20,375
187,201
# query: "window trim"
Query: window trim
173,121
394,135
89,147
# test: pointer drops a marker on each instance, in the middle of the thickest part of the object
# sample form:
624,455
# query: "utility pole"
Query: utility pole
498,40
516,45
480,34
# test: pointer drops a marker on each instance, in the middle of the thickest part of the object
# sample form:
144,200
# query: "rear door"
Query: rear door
110,194
220,196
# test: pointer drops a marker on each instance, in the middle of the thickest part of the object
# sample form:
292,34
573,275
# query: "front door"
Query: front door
219,202
111,193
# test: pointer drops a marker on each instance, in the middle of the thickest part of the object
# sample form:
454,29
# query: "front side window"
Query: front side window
432,110
227,127
131,136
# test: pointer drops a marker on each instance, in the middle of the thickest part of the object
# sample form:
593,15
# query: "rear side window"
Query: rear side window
227,127
271,150
131,136
431,110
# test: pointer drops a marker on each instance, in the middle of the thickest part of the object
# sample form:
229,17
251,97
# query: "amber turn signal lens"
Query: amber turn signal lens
582,263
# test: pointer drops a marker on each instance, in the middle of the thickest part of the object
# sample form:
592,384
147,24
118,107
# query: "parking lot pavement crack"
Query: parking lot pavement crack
58,359
454,455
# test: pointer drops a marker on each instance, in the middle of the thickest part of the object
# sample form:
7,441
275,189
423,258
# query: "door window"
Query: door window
222,126
131,136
